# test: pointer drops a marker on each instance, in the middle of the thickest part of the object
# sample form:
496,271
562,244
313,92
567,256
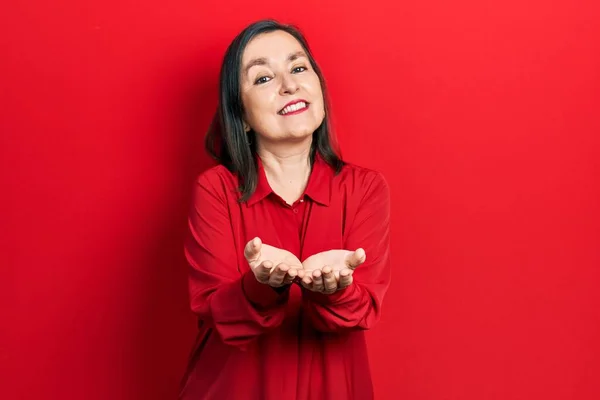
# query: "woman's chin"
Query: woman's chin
301,132
294,136
299,136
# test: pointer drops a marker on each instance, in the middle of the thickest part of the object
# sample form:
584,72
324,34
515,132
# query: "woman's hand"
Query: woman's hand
271,265
329,271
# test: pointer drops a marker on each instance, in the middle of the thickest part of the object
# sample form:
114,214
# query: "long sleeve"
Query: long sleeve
359,305
233,302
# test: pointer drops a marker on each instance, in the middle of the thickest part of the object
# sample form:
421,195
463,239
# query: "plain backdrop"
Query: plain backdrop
482,115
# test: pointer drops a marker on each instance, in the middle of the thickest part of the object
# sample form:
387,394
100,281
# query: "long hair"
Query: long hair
227,141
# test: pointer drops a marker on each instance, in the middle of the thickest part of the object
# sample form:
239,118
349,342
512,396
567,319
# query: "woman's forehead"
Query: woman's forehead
272,46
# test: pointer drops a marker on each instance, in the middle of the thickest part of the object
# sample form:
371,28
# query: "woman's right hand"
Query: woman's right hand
271,265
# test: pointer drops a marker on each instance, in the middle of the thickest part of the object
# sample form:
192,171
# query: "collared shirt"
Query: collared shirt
255,342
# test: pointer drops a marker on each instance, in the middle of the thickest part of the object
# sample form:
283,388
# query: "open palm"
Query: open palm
337,260
271,265
275,255
330,271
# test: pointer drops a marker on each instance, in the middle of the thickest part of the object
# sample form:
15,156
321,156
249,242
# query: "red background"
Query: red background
483,116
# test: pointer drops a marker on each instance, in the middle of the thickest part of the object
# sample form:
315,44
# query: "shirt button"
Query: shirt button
295,211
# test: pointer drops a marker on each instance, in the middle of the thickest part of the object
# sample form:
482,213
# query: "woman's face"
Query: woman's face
281,93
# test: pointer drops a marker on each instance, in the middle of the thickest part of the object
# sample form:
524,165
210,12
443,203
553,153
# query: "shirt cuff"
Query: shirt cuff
336,297
260,294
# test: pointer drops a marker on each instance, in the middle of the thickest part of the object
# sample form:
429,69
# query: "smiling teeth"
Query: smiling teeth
293,107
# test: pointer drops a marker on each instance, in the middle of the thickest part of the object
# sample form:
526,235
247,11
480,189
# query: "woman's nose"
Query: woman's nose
288,84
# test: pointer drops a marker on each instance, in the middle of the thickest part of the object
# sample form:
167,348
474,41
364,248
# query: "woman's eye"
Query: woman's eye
299,69
262,79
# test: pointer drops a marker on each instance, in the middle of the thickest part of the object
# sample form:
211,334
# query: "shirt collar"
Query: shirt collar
318,187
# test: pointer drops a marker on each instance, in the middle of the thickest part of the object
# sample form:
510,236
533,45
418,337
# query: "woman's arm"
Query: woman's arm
238,306
359,305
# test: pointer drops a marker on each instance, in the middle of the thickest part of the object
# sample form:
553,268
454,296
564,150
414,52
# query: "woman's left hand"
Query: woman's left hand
330,271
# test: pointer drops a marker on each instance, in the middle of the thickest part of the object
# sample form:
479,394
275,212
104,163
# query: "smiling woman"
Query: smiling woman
280,82
270,325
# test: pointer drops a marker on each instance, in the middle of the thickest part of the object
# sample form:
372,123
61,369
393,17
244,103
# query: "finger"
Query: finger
307,282
317,279
252,249
263,271
345,278
329,282
355,259
278,274
290,276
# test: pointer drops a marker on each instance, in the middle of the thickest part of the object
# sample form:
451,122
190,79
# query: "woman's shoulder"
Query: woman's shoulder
360,187
362,178
218,180
214,174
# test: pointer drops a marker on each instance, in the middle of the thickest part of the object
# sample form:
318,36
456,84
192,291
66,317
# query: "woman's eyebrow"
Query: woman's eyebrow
263,61
296,55
254,62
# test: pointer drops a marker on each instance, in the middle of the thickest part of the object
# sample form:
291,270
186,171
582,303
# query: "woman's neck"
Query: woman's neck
287,168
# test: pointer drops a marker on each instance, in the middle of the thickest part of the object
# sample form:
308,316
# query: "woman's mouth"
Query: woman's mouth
294,108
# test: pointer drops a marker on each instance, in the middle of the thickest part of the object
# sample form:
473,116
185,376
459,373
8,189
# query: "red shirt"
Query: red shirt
258,343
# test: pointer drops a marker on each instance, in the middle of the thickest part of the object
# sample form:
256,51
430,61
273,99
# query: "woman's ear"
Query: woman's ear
246,127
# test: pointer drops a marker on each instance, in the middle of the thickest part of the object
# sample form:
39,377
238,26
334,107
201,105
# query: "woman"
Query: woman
271,326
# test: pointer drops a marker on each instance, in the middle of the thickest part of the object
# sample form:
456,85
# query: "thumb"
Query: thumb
252,249
356,258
